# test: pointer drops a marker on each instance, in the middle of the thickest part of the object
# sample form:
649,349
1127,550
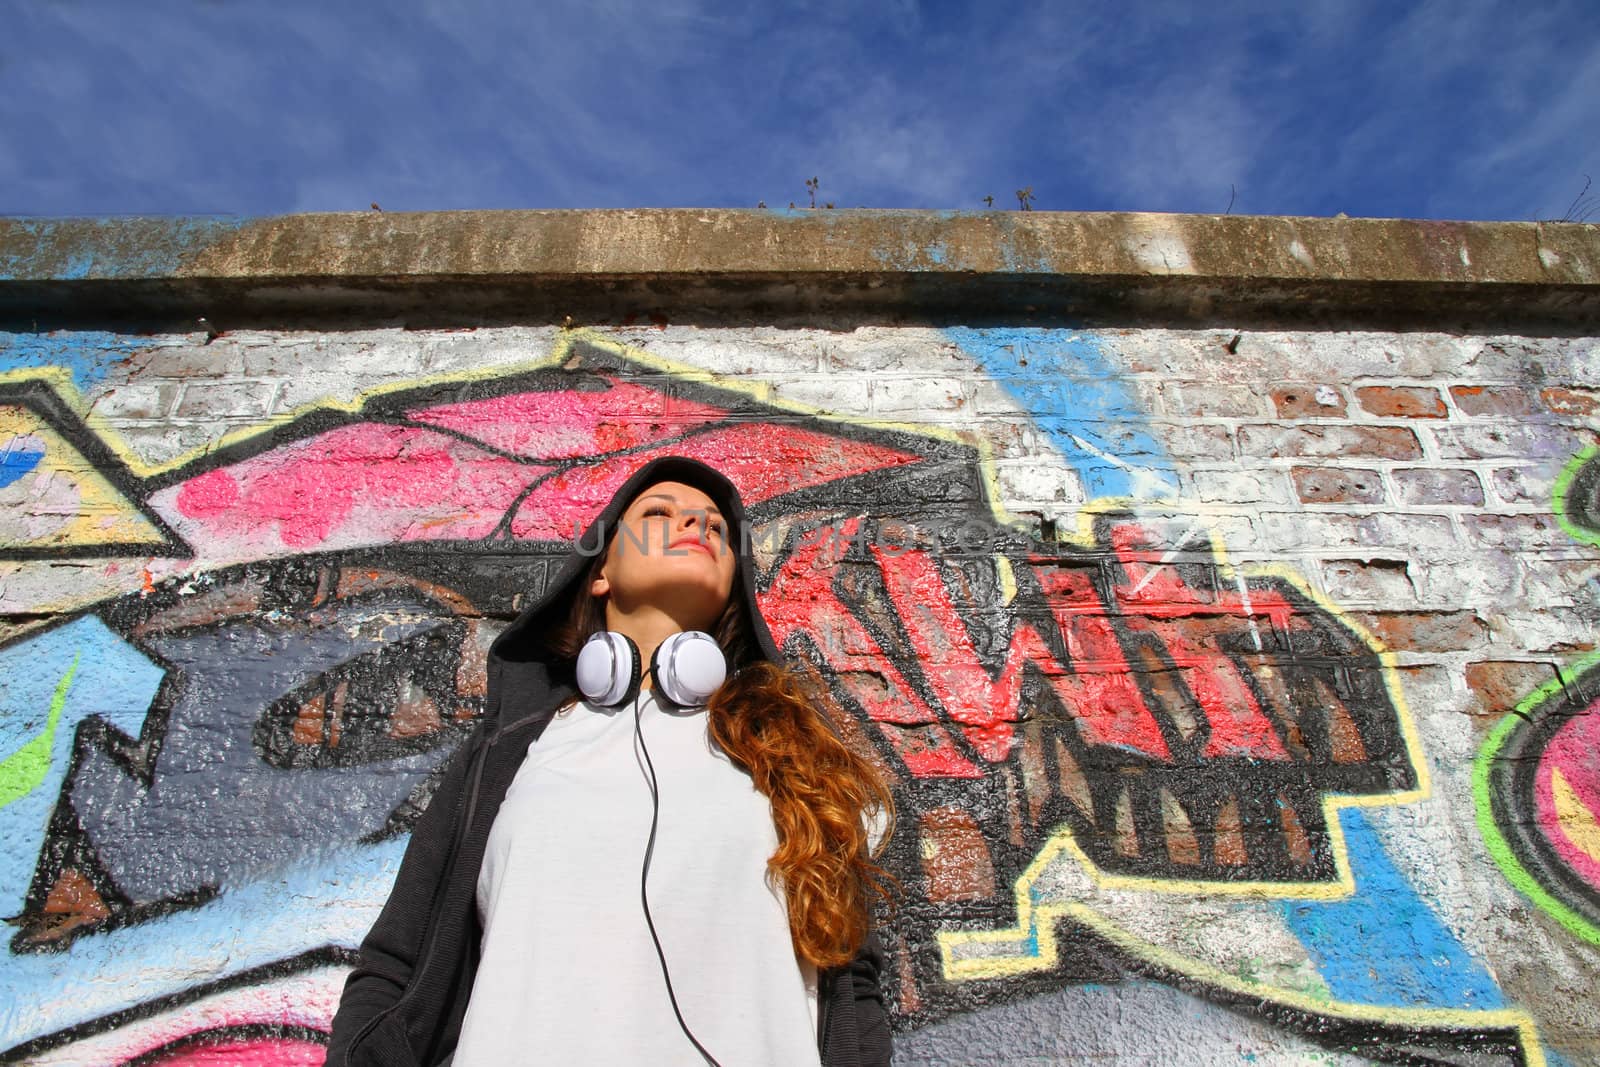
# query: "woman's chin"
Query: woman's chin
686,598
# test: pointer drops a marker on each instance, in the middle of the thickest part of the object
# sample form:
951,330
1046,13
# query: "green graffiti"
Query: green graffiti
23,770
1482,793
1565,490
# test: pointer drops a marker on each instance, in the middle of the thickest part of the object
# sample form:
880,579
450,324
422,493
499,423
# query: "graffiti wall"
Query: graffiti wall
1237,691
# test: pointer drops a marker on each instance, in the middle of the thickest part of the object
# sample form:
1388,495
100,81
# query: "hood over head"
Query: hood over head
523,649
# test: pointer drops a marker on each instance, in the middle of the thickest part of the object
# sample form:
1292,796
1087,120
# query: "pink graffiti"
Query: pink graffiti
570,423
227,1048
372,483
363,484
1185,622
802,602
763,460
957,694
1103,681
1567,787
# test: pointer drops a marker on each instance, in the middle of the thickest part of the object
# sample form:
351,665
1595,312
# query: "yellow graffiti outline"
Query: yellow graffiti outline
107,514
61,381
1034,920
1046,916
1343,884
1038,920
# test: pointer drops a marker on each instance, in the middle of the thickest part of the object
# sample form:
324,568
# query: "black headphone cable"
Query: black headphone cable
644,877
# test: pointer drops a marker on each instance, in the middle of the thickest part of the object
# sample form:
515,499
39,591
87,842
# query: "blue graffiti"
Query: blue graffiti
236,931
88,354
107,248
211,811
1383,945
111,680
1064,379
21,455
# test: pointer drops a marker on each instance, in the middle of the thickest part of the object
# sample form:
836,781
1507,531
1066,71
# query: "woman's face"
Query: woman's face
671,552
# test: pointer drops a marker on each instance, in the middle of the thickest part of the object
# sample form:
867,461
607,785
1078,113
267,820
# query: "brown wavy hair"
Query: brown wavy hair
824,795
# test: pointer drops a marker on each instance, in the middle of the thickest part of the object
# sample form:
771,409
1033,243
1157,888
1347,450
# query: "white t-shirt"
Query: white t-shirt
568,973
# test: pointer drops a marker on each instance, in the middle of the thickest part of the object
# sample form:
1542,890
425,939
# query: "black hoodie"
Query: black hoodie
404,1002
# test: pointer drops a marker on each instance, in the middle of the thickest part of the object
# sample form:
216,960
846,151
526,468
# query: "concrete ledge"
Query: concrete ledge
600,265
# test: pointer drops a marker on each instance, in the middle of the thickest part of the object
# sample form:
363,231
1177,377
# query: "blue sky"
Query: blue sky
1461,109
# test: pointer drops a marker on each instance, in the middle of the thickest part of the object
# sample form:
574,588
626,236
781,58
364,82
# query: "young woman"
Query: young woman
624,877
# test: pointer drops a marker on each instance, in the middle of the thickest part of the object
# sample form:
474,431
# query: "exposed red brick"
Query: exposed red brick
308,722
1402,401
472,675
1422,485
1338,485
415,713
1422,676
72,903
1294,834
1125,839
1228,842
1383,442
1070,781
1495,400
1571,401
1182,844
1500,685
1300,402
955,857
1381,580
226,601
74,895
1425,631
1343,736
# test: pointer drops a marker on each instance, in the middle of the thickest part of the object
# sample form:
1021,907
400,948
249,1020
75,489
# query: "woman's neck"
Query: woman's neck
646,629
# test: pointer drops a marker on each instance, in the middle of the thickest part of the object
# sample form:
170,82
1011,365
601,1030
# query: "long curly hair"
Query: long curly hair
826,798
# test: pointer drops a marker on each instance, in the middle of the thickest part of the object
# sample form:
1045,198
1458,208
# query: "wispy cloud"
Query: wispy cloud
1472,107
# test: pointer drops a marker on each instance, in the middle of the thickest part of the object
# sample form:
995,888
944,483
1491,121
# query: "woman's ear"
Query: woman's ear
600,586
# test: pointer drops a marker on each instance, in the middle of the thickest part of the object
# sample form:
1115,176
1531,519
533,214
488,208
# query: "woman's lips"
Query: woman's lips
691,542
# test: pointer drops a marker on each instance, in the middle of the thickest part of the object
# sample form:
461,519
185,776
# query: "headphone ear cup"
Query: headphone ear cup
608,669
688,667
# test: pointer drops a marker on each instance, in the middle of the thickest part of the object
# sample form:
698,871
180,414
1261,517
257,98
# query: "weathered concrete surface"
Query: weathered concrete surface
608,264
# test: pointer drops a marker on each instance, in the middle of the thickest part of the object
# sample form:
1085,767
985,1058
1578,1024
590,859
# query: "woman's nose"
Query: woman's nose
687,522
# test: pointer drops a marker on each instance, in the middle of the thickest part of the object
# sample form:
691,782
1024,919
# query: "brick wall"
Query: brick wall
1235,681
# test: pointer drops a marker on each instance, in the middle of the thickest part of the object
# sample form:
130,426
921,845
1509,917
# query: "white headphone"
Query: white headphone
687,667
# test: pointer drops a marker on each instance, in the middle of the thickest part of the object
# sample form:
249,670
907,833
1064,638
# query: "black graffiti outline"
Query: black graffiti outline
326,956
39,397
902,491
1577,496
1513,771
1085,956
296,582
